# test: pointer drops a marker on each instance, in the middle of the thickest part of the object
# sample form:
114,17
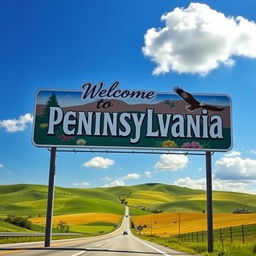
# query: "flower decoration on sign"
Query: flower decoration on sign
81,142
43,125
169,144
192,144
64,137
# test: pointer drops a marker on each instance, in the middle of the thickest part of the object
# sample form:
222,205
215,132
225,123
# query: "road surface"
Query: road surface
114,244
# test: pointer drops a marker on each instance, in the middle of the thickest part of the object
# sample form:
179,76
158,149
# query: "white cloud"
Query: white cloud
198,39
86,184
233,153
120,181
16,125
253,151
190,183
131,176
99,162
235,168
148,174
82,184
106,178
1,165
171,162
218,185
117,182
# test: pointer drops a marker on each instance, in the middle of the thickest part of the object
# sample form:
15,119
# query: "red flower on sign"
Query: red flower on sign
65,137
192,144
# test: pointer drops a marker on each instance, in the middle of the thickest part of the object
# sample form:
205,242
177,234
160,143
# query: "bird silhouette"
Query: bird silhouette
193,103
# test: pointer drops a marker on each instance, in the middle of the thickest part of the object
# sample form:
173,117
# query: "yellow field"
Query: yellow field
154,197
165,224
83,218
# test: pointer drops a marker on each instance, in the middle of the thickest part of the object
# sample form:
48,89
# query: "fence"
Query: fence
243,233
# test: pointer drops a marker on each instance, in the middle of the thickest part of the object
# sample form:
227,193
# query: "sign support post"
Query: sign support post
48,227
209,200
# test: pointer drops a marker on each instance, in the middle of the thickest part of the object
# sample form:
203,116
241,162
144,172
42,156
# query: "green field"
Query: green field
30,201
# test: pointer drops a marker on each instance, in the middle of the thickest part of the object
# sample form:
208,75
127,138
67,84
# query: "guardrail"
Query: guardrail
20,234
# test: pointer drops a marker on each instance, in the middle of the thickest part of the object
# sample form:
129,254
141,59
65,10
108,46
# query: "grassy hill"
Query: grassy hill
30,200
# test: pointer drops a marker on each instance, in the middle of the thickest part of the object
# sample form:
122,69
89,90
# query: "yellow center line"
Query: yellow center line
12,251
56,244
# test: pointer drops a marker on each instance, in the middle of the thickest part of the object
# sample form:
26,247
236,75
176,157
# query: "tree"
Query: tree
62,225
52,102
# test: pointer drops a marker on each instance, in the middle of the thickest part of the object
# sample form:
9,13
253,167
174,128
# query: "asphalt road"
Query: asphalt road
114,244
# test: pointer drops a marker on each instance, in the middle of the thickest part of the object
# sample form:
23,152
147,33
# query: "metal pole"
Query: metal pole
48,227
209,200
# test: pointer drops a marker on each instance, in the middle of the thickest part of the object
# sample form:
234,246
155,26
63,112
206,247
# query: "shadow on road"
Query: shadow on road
86,250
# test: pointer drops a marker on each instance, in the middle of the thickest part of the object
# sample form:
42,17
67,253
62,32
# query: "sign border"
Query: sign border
132,148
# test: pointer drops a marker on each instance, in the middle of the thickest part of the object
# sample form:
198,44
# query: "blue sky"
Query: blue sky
203,47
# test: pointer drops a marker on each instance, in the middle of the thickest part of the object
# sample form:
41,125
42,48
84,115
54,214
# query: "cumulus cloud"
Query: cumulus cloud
131,176
1,165
218,185
99,162
106,178
191,183
148,174
233,153
114,183
120,181
171,162
16,125
82,184
198,39
235,168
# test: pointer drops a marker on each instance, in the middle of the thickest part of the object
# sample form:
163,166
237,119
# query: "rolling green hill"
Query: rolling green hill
30,200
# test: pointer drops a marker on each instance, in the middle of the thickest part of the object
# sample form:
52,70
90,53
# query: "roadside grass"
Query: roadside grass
8,227
235,249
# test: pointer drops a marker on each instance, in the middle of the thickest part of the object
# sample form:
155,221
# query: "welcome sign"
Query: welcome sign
111,117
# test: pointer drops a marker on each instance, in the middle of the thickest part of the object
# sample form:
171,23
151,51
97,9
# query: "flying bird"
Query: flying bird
193,103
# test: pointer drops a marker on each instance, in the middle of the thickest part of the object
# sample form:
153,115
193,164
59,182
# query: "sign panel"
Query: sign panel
114,118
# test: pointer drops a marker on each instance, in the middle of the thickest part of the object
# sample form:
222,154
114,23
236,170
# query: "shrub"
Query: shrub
62,225
19,221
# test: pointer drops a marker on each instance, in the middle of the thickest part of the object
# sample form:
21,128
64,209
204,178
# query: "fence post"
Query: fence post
231,234
221,239
243,233
202,236
192,237
197,237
